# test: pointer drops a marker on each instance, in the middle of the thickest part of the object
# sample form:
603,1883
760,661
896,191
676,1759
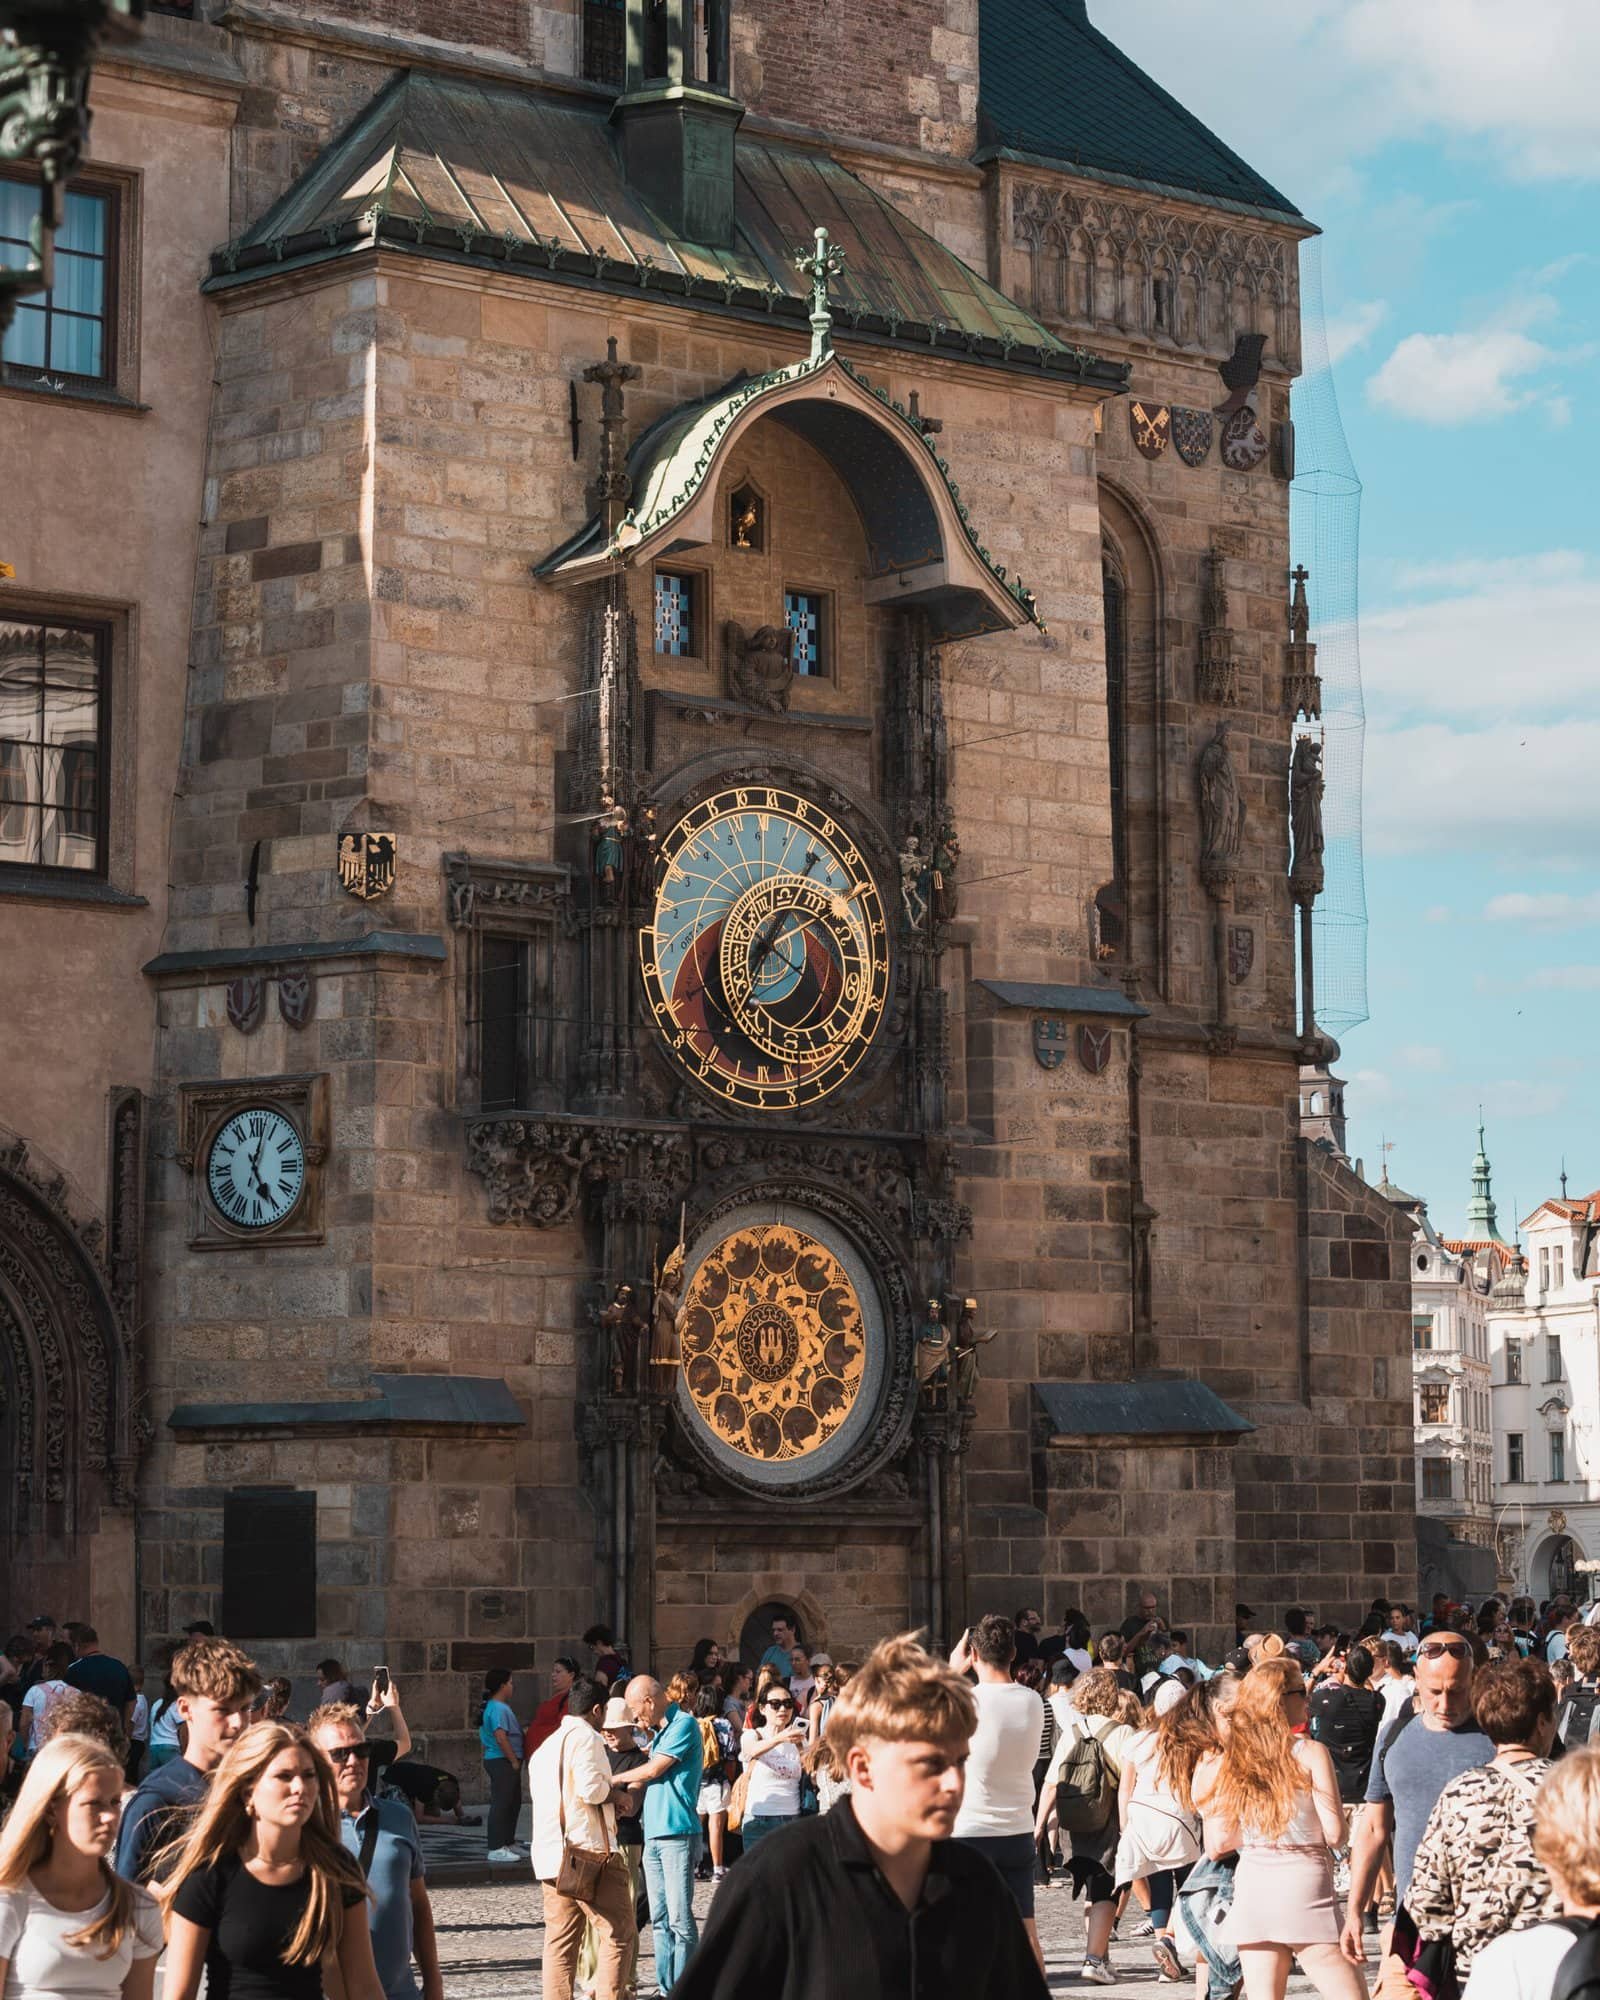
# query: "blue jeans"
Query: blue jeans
669,1861
756,1826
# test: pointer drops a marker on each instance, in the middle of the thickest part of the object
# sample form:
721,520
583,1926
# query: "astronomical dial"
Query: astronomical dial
256,1169
766,961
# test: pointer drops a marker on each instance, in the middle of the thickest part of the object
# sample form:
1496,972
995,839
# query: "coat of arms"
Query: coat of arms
367,863
1049,1040
1244,442
1191,434
297,997
1241,952
244,1000
1151,424
1094,1048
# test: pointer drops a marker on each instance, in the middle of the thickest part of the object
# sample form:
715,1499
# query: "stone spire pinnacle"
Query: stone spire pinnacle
1481,1219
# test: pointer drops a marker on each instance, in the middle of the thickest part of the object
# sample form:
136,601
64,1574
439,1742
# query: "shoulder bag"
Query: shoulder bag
581,1867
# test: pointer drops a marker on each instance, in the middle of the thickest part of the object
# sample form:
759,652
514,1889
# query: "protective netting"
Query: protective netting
1324,533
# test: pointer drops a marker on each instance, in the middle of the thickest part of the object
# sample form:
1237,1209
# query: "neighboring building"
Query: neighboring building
526,863
1544,1345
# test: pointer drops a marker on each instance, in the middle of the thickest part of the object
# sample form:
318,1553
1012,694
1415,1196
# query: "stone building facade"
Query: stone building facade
451,1016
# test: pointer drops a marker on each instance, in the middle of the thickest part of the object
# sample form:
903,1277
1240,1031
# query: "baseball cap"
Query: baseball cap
40,1624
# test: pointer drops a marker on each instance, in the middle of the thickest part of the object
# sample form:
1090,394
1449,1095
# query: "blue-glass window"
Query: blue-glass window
674,613
68,330
802,613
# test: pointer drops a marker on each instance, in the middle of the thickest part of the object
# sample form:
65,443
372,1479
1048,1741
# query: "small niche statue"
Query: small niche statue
1222,813
624,1328
666,1349
933,1356
761,667
964,1354
610,850
1305,819
945,857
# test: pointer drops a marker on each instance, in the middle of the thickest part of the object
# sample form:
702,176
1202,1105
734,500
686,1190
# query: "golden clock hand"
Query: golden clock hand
769,938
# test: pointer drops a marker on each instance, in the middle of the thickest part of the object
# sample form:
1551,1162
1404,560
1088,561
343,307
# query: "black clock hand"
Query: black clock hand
255,1174
769,937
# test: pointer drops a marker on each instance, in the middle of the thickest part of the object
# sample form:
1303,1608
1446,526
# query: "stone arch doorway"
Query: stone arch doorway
1554,1572
68,1436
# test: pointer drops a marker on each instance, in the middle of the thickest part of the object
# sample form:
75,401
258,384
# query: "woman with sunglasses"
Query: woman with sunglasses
1272,1797
771,1756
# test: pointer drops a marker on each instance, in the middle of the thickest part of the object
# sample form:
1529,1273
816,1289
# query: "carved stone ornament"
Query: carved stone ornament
480,887
538,1170
1302,685
69,1426
367,863
876,1173
297,997
760,666
245,998
1241,952
1217,675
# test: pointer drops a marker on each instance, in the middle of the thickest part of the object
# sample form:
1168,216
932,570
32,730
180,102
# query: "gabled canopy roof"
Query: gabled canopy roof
531,180
922,548
1051,85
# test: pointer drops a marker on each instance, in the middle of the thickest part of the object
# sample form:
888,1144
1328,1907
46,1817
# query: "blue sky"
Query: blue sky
1450,150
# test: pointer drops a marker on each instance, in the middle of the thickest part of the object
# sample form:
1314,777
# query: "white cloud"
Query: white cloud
1548,907
1565,979
1354,327
1420,1056
1438,913
1461,378
1516,640
1516,791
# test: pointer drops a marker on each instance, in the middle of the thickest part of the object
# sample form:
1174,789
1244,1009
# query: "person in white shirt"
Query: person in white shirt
1400,1632
50,1686
996,1815
771,1754
68,1925
1522,1965
138,1727
574,1797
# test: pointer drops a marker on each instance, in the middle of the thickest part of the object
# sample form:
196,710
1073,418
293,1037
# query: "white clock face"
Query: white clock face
256,1172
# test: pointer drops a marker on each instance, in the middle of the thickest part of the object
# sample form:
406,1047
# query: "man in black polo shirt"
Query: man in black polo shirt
874,1897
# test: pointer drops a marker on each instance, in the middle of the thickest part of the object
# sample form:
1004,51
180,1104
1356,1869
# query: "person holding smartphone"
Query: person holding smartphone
771,1754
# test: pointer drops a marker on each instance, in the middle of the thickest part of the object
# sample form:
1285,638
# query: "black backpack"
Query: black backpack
1575,1719
1578,1974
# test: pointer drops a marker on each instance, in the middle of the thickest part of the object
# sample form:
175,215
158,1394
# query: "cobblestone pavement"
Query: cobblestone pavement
491,1936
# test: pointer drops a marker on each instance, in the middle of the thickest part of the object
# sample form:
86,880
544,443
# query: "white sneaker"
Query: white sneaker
1144,1928
1096,1972
506,1856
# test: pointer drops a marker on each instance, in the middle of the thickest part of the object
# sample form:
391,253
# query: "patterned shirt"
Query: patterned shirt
1476,1875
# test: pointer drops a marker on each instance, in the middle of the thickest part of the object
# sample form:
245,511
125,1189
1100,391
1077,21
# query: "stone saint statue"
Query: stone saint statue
666,1352
646,842
946,854
761,668
933,1356
610,857
1222,813
624,1326
1305,817
913,868
964,1354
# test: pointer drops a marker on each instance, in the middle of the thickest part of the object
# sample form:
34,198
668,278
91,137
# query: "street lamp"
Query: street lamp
45,52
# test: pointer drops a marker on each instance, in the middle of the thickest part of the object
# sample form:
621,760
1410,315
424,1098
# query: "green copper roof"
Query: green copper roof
1050,84
532,180
917,526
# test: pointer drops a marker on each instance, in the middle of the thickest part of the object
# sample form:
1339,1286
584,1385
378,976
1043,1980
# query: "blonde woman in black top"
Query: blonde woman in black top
262,1889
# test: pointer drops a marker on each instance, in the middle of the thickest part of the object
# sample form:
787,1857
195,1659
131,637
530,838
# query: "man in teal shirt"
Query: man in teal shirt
671,1821
784,1640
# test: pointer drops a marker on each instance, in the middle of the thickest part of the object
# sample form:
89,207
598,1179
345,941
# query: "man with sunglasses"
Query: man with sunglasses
1431,1741
382,1835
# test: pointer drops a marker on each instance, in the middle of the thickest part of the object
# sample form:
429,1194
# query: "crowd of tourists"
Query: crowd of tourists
1416,1801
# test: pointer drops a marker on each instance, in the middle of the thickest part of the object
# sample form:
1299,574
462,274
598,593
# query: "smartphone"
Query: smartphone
380,1682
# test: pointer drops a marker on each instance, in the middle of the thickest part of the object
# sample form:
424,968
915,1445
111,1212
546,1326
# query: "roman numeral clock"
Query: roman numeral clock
254,1150
766,957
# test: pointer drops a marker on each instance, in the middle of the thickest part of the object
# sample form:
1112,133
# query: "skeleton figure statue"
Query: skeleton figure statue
913,868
